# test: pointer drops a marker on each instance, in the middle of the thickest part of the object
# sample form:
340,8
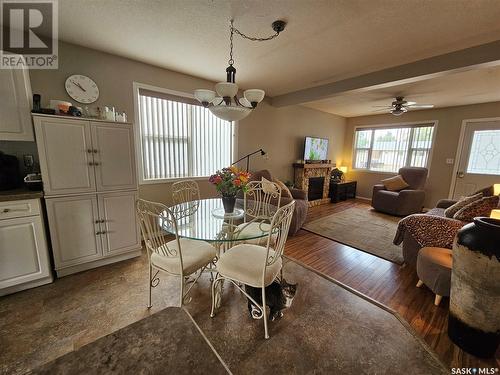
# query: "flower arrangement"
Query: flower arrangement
229,181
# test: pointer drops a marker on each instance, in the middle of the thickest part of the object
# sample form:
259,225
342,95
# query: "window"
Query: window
484,155
387,149
180,138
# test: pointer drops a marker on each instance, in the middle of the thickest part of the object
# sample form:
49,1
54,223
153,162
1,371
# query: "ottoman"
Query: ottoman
434,270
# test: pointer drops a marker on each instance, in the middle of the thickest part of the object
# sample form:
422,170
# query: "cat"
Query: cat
279,296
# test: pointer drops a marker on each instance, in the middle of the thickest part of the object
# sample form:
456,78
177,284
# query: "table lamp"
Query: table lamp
495,214
496,189
343,169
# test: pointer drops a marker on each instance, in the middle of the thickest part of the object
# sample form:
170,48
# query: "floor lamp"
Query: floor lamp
261,151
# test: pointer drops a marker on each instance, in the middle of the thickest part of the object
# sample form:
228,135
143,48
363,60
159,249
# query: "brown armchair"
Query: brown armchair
405,202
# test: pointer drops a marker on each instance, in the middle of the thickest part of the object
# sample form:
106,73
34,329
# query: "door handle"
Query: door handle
98,233
460,174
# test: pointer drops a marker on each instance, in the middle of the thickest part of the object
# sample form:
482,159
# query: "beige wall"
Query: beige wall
281,131
446,142
278,131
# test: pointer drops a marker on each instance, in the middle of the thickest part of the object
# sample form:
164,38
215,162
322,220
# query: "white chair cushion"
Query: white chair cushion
245,263
253,230
195,254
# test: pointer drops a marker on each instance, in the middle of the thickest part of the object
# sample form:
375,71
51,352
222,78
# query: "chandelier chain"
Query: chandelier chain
231,61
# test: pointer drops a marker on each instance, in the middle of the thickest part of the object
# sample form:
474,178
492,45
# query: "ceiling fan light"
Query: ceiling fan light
204,96
226,89
254,96
230,113
398,111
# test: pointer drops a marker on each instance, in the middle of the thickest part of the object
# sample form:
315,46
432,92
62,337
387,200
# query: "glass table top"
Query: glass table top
205,220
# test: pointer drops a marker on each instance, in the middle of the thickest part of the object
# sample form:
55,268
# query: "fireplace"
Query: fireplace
315,190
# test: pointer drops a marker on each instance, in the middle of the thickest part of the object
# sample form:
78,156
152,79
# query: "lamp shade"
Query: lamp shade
204,96
229,112
343,169
254,95
226,89
495,214
496,189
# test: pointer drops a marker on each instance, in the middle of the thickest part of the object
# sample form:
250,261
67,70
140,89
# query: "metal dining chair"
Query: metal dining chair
260,202
185,191
255,265
179,257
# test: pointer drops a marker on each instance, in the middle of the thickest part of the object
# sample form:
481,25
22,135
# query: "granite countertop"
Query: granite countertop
19,193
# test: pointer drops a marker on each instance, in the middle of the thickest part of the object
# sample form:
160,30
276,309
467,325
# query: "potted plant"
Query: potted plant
229,182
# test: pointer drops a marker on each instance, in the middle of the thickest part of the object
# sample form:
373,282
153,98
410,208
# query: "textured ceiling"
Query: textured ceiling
470,87
325,41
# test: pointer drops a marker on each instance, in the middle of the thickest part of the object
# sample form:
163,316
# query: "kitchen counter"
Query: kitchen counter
19,193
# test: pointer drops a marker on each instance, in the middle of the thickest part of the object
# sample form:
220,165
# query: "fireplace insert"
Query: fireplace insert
315,188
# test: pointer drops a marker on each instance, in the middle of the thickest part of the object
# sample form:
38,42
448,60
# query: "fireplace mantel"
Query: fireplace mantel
302,173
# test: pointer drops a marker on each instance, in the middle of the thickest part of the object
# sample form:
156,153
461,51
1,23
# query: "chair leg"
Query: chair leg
150,287
438,299
214,285
264,314
420,283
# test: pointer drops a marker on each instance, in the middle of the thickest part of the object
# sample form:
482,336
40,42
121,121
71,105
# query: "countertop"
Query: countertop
18,194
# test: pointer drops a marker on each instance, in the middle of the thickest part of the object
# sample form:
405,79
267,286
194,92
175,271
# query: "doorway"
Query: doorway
478,157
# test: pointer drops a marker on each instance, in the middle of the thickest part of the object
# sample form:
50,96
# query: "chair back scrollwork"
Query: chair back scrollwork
261,199
185,191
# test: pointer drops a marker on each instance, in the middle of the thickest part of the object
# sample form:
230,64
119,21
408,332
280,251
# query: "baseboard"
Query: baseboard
363,198
97,263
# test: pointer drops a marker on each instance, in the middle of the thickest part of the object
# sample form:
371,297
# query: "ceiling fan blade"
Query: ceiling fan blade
382,110
421,106
410,103
382,106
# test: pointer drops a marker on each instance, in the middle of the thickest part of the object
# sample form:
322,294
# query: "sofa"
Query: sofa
432,229
300,197
404,202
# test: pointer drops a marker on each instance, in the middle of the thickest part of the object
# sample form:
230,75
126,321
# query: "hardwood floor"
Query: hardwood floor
385,282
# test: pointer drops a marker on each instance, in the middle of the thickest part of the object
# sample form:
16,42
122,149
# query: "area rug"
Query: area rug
362,228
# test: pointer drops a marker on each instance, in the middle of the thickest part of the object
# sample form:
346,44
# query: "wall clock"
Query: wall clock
82,88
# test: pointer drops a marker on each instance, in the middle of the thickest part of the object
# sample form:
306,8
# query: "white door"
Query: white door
479,163
15,105
66,155
119,223
23,251
115,157
74,230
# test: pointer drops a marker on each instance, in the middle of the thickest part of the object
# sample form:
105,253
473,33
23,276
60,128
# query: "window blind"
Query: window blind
387,149
180,138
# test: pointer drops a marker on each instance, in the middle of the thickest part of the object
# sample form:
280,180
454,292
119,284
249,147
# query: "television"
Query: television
315,149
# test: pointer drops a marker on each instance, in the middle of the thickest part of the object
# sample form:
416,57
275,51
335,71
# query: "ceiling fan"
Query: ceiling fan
400,106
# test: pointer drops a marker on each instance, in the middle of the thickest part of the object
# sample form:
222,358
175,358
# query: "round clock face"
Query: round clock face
82,89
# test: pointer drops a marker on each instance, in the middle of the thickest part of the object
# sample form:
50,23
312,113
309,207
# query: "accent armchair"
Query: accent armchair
404,202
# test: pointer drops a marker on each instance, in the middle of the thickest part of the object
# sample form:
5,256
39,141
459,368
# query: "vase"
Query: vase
228,202
474,321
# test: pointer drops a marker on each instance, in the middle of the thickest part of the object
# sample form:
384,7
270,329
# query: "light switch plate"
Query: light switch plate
450,161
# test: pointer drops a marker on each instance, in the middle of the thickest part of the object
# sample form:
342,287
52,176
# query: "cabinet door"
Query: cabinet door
23,251
66,155
15,106
119,223
74,230
115,157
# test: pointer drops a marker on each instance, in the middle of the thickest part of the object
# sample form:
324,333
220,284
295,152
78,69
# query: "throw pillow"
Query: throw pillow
395,183
285,191
268,187
481,207
462,202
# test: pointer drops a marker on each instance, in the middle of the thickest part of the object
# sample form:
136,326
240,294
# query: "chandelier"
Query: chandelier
224,102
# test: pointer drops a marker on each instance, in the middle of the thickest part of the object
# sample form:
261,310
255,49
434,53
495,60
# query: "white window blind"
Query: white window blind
387,149
180,138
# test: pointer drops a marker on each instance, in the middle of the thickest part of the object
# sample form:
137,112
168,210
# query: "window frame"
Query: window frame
413,124
136,86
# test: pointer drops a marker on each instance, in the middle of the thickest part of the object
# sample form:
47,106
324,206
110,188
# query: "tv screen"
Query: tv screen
315,148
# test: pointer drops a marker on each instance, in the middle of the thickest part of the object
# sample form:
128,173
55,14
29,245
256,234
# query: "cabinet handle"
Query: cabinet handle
95,151
96,164
89,151
98,233
104,232
91,164
5,210
102,221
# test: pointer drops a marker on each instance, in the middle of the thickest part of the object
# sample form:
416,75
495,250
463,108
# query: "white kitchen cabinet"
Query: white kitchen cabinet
15,106
24,258
120,232
74,230
66,156
115,159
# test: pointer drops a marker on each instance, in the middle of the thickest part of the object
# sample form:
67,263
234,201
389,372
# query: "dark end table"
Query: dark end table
342,190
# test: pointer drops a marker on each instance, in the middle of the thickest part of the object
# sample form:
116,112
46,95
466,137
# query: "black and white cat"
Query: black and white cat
279,296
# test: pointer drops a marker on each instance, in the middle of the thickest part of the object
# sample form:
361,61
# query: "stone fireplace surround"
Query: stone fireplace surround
302,173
